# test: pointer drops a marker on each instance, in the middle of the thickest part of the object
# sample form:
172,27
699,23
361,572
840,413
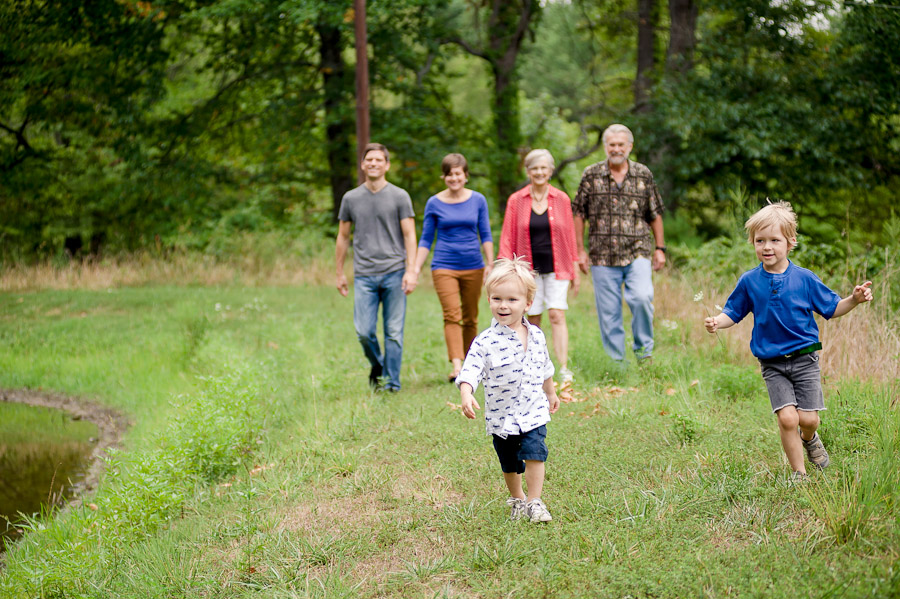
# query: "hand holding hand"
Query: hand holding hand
409,282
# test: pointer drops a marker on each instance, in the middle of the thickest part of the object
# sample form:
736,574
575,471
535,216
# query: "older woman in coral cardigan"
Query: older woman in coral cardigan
538,226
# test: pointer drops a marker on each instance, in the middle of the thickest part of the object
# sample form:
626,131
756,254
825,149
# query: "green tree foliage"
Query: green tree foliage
71,78
128,124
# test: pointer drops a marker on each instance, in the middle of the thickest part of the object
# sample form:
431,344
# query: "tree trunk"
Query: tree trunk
508,24
337,86
683,24
646,58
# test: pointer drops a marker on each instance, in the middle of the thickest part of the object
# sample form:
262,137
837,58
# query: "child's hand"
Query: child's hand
862,293
554,402
469,404
712,325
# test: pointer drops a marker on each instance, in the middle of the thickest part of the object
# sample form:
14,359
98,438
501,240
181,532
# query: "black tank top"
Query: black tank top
541,242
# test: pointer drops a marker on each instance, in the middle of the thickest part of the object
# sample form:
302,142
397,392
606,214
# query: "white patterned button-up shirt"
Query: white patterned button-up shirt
513,378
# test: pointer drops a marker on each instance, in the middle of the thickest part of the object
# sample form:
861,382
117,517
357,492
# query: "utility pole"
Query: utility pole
362,82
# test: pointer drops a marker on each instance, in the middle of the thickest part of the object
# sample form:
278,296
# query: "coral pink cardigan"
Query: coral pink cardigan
515,239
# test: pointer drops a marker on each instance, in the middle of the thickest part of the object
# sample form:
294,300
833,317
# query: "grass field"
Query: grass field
261,465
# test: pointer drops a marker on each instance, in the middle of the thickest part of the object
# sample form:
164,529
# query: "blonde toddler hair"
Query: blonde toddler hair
516,268
778,214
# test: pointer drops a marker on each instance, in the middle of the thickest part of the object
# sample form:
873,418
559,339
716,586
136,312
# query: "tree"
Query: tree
503,33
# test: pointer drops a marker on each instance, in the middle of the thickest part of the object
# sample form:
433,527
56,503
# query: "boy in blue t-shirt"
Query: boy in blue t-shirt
782,297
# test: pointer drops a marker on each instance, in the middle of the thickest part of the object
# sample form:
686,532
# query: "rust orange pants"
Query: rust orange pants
459,292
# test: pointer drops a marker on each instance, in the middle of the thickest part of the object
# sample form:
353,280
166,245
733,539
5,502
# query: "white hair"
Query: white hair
617,128
534,156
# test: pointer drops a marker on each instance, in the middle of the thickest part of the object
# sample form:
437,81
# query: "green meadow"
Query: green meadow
260,464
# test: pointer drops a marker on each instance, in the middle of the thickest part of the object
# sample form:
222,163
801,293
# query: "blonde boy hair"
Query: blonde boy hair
778,214
516,268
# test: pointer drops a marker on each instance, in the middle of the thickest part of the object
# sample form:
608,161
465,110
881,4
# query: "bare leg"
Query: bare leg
809,424
560,336
535,320
534,478
788,421
513,482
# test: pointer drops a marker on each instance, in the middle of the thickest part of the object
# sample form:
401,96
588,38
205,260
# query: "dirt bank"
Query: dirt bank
111,425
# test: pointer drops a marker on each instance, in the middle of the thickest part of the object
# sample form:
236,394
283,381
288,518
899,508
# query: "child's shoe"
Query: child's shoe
518,510
537,511
815,451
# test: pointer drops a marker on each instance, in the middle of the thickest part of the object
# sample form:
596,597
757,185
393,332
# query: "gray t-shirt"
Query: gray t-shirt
377,238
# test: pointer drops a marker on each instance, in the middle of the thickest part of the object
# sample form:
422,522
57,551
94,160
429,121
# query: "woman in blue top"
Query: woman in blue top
456,220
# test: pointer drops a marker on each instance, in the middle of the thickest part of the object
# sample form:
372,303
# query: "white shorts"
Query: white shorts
551,294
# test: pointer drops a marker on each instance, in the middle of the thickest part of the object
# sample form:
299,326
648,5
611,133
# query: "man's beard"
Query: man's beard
618,159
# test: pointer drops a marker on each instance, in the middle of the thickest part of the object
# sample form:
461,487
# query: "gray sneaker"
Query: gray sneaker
517,509
537,511
815,451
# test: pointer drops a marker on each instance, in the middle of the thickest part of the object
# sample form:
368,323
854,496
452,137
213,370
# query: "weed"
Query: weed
507,553
685,429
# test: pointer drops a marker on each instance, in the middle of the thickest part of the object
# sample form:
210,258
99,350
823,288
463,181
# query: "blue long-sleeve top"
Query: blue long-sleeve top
458,231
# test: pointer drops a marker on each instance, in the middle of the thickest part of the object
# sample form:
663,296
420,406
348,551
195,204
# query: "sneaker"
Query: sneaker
537,511
566,376
815,451
517,508
375,375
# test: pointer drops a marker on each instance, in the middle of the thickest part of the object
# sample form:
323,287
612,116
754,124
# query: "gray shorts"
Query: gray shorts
794,382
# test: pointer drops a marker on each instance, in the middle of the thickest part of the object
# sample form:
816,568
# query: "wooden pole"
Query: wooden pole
362,83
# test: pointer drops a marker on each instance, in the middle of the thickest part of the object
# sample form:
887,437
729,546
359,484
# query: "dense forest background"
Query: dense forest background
177,125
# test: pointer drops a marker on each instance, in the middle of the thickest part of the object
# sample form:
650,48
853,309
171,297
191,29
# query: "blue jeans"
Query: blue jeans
369,292
638,280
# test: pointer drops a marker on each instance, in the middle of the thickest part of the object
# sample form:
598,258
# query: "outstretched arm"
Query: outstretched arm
714,323
861,294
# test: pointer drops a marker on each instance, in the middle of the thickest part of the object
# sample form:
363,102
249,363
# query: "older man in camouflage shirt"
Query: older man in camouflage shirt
619,201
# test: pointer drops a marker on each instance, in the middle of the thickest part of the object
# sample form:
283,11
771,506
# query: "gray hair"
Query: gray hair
617,128
536,155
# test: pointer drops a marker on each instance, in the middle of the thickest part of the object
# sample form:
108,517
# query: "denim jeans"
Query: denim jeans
638,280
369,292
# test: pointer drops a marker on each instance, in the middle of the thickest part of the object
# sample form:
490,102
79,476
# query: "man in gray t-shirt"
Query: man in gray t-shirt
384,254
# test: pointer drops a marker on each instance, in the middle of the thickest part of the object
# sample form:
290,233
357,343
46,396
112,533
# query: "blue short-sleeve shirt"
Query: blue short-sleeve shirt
782,305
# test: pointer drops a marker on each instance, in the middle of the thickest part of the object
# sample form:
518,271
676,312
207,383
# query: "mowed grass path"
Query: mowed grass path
667,481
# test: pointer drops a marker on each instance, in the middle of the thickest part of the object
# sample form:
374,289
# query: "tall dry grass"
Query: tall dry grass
178,269
863,345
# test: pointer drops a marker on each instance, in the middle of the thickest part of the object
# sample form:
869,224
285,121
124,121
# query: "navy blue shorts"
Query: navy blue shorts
514,449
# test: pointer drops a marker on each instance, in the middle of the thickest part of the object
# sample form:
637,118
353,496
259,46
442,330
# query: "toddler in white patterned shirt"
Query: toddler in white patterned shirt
511,360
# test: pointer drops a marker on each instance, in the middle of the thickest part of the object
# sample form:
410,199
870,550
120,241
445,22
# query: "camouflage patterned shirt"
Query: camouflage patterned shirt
618,218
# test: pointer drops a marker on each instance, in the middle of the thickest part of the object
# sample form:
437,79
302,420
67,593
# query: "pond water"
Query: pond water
43,453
